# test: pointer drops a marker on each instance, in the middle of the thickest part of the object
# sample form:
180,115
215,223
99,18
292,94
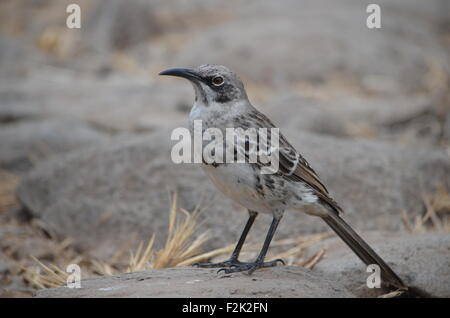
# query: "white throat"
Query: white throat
217,112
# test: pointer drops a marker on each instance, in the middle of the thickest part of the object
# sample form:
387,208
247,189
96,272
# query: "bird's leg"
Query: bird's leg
233,260
259,262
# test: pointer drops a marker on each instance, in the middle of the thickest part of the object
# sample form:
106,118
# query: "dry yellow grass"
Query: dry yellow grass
179,247
8,186
436,216
45,276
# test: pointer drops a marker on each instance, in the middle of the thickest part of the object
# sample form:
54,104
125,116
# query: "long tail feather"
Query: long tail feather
363,250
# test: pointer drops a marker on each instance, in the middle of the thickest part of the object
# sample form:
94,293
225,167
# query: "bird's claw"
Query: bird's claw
279,260
250,267
228,263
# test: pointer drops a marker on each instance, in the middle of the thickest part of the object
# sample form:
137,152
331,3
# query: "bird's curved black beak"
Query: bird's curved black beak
187,73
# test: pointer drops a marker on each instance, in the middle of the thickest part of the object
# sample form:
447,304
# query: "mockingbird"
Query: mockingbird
221,102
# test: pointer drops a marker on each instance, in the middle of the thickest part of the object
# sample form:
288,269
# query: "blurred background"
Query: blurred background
85,122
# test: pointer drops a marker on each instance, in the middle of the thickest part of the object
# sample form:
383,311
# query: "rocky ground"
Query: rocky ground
339,274
85,122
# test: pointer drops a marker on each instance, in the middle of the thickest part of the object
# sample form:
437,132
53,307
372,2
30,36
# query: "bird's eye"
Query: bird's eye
217,80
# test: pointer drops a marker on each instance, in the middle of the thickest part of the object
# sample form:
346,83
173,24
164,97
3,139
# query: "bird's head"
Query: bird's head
212,83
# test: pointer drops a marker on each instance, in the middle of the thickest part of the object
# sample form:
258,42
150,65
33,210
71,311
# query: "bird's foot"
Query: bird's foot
250,267
228,263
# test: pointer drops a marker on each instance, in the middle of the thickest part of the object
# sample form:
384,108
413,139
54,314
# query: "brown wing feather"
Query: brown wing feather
288,157
310,176
304,172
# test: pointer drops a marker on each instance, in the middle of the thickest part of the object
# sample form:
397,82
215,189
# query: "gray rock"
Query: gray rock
182,282
421,260
340,115
14,56
111,25
25,143
115,104
106,196
310,40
